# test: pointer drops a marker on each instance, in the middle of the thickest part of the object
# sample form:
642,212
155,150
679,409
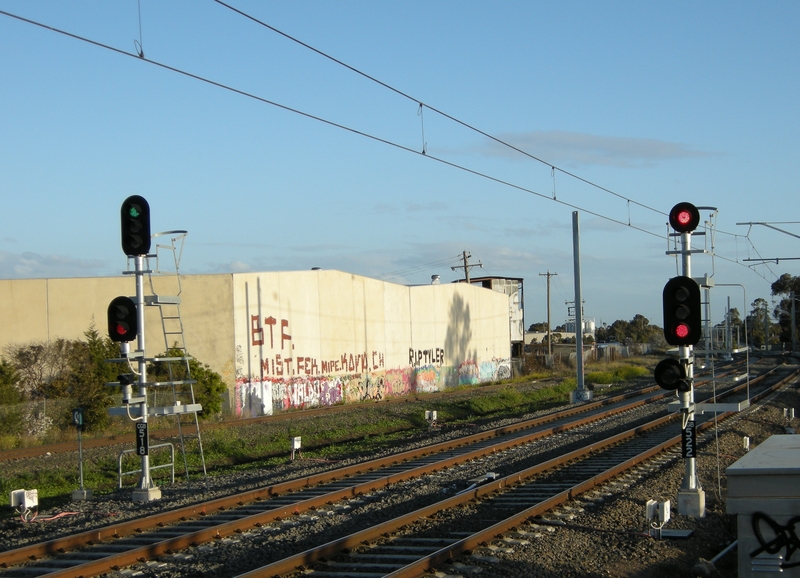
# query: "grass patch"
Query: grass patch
617,374
363,430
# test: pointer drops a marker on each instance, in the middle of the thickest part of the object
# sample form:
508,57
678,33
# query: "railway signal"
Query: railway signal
135,220
683,327
682,315
671,375
123,323
684,217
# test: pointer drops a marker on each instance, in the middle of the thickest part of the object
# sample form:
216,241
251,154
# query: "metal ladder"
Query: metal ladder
177,360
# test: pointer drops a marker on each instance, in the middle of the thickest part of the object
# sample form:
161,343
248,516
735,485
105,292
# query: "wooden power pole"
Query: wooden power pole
466,266
549,337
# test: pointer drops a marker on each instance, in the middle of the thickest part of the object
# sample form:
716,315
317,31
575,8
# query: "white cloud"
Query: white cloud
34,266
569,148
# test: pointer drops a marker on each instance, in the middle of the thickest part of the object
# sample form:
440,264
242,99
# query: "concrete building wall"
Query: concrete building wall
292,339
46,309
324,337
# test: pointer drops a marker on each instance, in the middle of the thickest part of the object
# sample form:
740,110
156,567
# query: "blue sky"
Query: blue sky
648,104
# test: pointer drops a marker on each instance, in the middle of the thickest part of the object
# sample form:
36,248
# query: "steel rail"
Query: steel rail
334,548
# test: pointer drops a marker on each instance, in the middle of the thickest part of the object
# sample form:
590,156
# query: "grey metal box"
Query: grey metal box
764,491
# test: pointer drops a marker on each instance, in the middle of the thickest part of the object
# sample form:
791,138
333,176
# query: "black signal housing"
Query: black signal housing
684,217
135,221
671,375
123,322
682,315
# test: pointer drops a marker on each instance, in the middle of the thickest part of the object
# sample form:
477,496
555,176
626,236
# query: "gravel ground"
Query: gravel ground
592,544
601,535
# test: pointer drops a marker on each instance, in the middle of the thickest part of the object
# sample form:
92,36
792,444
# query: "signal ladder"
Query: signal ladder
177,361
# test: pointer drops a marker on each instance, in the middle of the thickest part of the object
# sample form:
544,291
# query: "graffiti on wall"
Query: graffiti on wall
417,357
263,397
282,365
287,380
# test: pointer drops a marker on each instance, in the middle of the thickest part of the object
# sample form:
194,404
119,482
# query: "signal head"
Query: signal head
135,220
123,322
684,217
671,375
682,315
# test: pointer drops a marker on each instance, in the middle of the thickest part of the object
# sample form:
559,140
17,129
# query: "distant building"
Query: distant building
513,287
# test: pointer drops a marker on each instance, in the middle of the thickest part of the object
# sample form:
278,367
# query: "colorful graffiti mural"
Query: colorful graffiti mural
277,375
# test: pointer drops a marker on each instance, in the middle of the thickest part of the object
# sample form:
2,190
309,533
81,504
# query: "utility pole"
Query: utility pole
466,266
549,339
581,393
794,321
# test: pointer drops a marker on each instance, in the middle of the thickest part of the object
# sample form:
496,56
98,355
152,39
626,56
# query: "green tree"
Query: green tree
9,384
11,414
37,365
759,326
620,330
209,387
84,381
788,287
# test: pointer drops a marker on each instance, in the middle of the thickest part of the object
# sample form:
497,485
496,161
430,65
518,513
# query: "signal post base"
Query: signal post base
81,495
146,494
692,503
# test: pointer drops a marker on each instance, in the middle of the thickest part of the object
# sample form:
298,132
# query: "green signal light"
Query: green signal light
134,212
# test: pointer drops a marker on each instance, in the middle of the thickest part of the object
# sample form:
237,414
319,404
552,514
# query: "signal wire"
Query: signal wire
419,268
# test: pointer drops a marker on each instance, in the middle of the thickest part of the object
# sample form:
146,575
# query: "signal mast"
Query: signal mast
683,327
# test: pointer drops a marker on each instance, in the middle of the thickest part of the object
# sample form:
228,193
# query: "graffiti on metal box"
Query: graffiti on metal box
774,537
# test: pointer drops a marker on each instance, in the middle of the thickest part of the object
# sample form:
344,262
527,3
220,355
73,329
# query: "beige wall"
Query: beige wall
292,339
44,309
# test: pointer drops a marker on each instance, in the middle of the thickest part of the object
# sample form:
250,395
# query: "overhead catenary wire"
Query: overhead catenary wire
469,126
436,110
140,56
323,120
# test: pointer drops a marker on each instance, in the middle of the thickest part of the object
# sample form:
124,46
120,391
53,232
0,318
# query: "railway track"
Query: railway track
117,546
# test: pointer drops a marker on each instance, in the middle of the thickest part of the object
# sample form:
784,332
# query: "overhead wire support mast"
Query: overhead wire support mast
771,225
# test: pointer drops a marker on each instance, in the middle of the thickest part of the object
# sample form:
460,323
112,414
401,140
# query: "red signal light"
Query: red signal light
682,331
684,217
